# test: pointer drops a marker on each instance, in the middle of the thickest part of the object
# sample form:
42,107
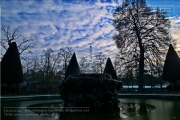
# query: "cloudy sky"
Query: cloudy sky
74,23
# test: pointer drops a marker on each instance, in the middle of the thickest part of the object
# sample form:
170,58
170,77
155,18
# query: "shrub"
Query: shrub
109,69
11,67
73,67
171,69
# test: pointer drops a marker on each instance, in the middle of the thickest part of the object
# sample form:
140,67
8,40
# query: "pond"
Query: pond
130,109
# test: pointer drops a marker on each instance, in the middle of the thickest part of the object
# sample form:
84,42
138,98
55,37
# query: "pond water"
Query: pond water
130,109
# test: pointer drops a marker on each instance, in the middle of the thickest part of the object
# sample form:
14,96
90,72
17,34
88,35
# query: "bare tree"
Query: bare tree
27,66
84,63
65,54
126,69
10,35
49,63
99,62
46,62
95,67
31,69
141,32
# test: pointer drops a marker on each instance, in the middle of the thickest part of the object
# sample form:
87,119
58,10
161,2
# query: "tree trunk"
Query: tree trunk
151,80
161,83
141,69
132,84
160,78
141,62
65,65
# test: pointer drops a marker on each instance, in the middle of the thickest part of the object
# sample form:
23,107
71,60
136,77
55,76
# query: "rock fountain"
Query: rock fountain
97,92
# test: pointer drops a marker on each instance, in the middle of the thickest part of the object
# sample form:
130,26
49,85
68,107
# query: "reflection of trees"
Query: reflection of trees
134,109
55,110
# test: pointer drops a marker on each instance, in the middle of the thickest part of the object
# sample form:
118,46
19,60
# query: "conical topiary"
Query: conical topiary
171,69
73,67
11,67
109,69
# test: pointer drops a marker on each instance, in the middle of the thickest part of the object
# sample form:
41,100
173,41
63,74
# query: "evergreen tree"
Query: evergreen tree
11,66
109,69
73,67
171,69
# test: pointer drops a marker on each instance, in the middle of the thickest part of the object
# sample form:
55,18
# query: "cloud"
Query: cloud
76,24
175,30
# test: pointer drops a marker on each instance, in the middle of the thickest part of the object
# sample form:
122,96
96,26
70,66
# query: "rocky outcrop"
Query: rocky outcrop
96,91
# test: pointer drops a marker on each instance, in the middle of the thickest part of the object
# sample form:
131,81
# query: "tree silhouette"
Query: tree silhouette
11,68
10,35
142,34
171,69
99,62
65,54
109,69
49,62
73,67
84,64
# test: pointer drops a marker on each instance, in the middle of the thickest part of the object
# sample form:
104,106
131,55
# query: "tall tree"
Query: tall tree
10,35
171,69
140,32
49,61
73,67
109,69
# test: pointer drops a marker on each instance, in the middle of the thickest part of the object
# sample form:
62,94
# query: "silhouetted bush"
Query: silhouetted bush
11,66
97,91
171,70
73,67
109,69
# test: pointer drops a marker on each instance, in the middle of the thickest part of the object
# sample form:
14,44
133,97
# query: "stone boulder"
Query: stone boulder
96,91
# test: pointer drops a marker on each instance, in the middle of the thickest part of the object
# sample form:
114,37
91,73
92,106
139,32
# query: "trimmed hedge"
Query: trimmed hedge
11,68
171,69
73,67
109,69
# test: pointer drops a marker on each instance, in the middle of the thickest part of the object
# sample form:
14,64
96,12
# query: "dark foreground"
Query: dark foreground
165,109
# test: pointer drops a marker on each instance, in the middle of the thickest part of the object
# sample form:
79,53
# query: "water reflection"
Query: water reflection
165,110
134,109
56,110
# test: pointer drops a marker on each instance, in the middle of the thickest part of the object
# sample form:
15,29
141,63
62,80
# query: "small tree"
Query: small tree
171,69
49,63
99,62
84,64
109,69
73,67
65,54
11,66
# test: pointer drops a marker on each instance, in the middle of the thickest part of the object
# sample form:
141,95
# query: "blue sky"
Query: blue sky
74,23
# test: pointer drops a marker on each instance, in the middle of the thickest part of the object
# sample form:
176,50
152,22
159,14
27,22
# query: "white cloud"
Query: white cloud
77,25
175,30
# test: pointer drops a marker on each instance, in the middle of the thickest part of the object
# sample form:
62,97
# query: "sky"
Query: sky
75,23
